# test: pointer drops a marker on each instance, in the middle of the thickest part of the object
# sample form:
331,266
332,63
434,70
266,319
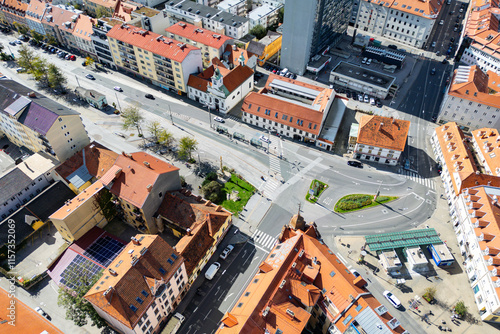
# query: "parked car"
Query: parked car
264,139
379,104
13,43
441,22
212,270
433,44
42,313
348,95
392,46
72,57
366,99
433,71
149,96
372,101
90,76
67,56
364,60
392,299
219,119
225,253
368,62
355,164
118,89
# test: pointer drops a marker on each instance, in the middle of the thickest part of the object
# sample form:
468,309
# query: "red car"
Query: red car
72,57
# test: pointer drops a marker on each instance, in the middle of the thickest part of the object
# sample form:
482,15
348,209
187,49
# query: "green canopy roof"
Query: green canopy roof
386,241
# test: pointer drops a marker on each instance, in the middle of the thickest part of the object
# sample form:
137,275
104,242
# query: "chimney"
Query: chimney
188,231
393,120
147,164
209,225
112,272
149,187
380,126
108,294
135,241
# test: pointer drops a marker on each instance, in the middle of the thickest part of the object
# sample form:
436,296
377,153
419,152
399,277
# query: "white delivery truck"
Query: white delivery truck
212,270
174,324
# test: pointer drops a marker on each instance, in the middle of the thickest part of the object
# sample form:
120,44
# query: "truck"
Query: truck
174,324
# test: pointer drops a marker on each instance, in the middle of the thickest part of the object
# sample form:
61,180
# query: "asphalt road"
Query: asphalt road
442,34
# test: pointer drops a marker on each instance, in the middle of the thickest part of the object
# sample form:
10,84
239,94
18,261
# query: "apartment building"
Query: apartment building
13,11
162,61
233,56
206,17
59,22
82,33
408,21
34,15
100,41
141,286
264,15
381,139
486,144
471,100
103,7
39,123
481,37
302,286
291,108
212,45
200,232
235,7
220,88
25,181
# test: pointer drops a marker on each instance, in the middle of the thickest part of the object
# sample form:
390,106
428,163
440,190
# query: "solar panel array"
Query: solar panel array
104,250
79,267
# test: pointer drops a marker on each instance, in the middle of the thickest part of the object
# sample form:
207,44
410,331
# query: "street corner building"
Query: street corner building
381,139
303,286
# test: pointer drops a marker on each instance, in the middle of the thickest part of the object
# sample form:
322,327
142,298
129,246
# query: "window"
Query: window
133,308
139,300
145,293
162,271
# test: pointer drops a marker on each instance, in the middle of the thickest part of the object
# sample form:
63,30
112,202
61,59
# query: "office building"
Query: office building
309,28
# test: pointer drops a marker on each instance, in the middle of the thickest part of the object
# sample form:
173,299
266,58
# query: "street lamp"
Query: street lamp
171,118
378,190
117,100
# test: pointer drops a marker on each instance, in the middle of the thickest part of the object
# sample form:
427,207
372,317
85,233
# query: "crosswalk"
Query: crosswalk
274,164
263,240
270,186
234,118
417,178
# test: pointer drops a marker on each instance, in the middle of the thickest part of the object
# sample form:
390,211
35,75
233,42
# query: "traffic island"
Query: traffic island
356,202
315,189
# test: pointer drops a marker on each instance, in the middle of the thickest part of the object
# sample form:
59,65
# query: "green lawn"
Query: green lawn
360,201
322,187
245,190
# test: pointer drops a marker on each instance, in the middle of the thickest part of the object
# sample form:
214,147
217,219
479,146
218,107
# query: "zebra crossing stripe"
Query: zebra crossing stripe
265,240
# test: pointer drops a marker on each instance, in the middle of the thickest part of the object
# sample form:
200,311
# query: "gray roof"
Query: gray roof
39,208
256,48
331,125
364,74
11,183
207,12
17,106
371,323
80,176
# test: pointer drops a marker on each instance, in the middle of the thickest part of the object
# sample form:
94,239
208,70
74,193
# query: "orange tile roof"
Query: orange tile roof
235,54
105,3
232,79
385,132
17,5
428,9
475,87
488,142
98,159
482,26
300,270
152,42
125,9
133,181
131,272
81,198
26,320
60,17
36,9
199,35
83,27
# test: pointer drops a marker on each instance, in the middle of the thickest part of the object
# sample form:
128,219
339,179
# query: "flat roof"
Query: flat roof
406,239
193,8
363,74
332,123
261,11
291,87
443,251
416,254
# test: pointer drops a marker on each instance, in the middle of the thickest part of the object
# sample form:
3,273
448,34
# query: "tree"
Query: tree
460,308
39,70
212,191
166,138
51,40
101,12
78,309
281,14
430,293
37,37
55,77
26,58
90,61
186,146
132,119
21,28
154,128
258,31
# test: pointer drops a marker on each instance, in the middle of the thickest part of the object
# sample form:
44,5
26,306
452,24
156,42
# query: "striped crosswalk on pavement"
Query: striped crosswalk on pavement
263,240
417,178
270,186
274,164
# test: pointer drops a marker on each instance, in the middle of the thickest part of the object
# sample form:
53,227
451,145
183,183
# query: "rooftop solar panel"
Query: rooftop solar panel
80,266
104,250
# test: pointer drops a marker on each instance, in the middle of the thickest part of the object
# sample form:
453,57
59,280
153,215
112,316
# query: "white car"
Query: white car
369,61
364,60
441,22
118,89
392,299
366,99
264,139
42,312
219,119
225,253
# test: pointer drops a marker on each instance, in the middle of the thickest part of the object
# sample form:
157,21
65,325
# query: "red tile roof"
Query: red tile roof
232,79
199,35
299,271
133,272
488,143
152,42
385,132
235,54
26,319
83,27
479,86
138,171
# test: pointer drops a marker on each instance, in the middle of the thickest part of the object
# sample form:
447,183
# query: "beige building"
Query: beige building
212,45
96,7
39,123
80,215
162,61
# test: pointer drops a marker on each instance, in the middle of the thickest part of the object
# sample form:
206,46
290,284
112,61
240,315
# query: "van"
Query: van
212,270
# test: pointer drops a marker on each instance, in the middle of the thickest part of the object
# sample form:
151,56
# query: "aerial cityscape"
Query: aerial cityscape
249,166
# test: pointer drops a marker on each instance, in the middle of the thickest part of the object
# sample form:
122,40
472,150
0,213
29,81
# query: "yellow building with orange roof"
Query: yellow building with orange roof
303,285
405,21
472,100
477,226
141,287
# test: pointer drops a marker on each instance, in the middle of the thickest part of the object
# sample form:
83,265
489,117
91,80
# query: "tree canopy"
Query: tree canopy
55,77
154,128
132,118
166,138
186,146
258,31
